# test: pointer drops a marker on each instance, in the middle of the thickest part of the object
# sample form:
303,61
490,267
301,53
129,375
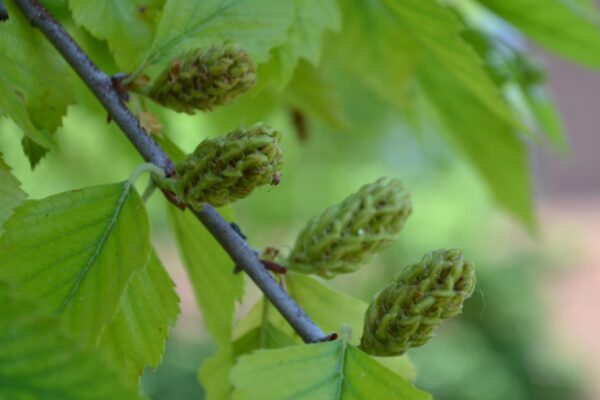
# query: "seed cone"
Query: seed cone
228,168
348,235
405,313
204,79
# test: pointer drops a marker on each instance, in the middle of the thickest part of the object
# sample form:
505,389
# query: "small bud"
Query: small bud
405,313
204,79
228,168
348,235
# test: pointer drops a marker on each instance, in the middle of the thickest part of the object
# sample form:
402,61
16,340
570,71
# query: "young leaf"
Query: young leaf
489,142
257,25
569,29
332,370
35,82
311,19
37,360
128,26
11,194
137,335
331,309
75,252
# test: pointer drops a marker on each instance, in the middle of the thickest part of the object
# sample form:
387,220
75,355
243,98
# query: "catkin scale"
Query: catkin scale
346,236
405,313
225,169
204,79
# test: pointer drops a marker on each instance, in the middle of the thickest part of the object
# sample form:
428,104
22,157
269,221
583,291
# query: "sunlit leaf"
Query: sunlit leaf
136,336
127,25
38,361
75,252
332,370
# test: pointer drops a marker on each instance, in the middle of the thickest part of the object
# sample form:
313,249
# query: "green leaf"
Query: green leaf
214,373
217,290
37,360
567,28
176,154
33,75
11,194
33,151
127,25
546,116
257,25
376,46
266,336
210,271
522,80
331,309
75,253
384,42
311,19
488,141
12,106
437,31
136,336
326,371
309,91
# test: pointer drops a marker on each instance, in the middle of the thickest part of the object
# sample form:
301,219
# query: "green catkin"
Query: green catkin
225,169
204,79
405,313
346,236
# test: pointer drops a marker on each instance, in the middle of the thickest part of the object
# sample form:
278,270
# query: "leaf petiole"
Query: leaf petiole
158,179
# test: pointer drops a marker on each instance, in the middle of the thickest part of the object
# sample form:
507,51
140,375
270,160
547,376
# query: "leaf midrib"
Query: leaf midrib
98,248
